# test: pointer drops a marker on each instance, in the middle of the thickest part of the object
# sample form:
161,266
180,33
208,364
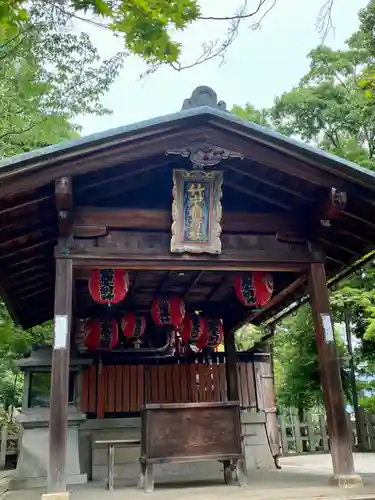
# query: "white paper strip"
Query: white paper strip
327,328
61,331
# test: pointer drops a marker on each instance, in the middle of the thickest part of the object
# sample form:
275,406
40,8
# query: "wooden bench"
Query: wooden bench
111,443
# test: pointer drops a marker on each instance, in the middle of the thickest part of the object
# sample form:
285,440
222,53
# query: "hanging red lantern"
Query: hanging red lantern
254,289
192,328
108,286
213,333
168,311
133,325
101,334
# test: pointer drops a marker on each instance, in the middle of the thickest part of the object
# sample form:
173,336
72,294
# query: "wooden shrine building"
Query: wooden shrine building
152,243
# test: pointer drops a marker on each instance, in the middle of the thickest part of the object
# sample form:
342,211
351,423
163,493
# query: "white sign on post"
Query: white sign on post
61,331
329,335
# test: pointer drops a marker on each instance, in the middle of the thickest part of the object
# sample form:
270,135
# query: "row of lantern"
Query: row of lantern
110,286
195,329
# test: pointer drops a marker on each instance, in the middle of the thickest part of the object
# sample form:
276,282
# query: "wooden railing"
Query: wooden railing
110,390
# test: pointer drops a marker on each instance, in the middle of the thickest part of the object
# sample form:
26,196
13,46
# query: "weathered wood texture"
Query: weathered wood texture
151,251
88,218
125,388
338,430
58,423
198,431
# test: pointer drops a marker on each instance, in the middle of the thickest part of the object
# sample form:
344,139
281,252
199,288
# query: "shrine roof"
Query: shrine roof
277,174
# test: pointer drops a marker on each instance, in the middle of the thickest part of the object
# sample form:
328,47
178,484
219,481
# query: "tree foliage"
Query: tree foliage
48,76
332,108
149,28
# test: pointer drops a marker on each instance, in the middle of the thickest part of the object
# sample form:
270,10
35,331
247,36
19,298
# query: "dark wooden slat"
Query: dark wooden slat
250,385
111,374
141,387
223,385
154,384
162,384
85,390
209,383
184,382
252,192
202,382
118,389
176,384
126,388
169,383
216,381
243,383
193,382
133,388
102,391
92,405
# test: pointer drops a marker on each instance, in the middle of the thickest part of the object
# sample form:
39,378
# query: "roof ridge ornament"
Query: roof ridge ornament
204,154
204,96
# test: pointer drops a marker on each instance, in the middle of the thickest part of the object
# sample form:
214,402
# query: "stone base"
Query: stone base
56,496
346,481
41,482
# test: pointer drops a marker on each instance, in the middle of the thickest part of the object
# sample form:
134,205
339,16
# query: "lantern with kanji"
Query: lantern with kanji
254,289
101,334
213,333
133,325
108,286
168,311
192,328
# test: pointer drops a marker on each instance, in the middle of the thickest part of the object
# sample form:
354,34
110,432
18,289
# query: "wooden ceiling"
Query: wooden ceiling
266,181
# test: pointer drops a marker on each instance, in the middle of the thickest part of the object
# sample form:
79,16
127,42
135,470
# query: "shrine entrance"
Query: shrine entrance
160,240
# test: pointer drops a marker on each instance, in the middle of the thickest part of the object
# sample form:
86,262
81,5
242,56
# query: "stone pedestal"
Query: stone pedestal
32,463
257,449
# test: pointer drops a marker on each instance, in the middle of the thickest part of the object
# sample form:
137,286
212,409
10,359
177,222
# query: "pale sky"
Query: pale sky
260,65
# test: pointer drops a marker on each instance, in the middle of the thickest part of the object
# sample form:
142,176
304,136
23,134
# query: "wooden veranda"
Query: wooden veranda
106,201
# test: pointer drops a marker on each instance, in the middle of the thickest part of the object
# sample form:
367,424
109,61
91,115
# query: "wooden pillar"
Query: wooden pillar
231,365
58,424
338,430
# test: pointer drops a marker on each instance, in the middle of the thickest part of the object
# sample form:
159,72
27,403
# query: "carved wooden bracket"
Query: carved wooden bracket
204,154
64,205
332,207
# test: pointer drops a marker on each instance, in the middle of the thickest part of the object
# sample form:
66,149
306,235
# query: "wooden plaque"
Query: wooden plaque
196,211
183,432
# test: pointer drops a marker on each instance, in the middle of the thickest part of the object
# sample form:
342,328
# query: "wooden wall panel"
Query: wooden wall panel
126,388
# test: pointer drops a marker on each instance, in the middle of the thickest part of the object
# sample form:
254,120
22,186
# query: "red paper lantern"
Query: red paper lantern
213,333
101,334
192,328
168,311
254,289
108,286
133,325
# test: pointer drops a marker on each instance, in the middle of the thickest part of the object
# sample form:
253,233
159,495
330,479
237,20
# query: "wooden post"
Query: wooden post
231,365
60,377
340,439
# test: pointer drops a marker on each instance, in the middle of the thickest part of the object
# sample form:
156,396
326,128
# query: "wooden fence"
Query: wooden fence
311,436
108,390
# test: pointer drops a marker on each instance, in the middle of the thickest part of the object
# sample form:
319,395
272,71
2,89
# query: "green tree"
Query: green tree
48,77
150,28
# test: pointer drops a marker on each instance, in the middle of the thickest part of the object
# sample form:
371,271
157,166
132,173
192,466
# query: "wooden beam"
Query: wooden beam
64,205
193,283
58,423
265,180
141,144
91,219
26,249
25,204
257,194
339,434
152,251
